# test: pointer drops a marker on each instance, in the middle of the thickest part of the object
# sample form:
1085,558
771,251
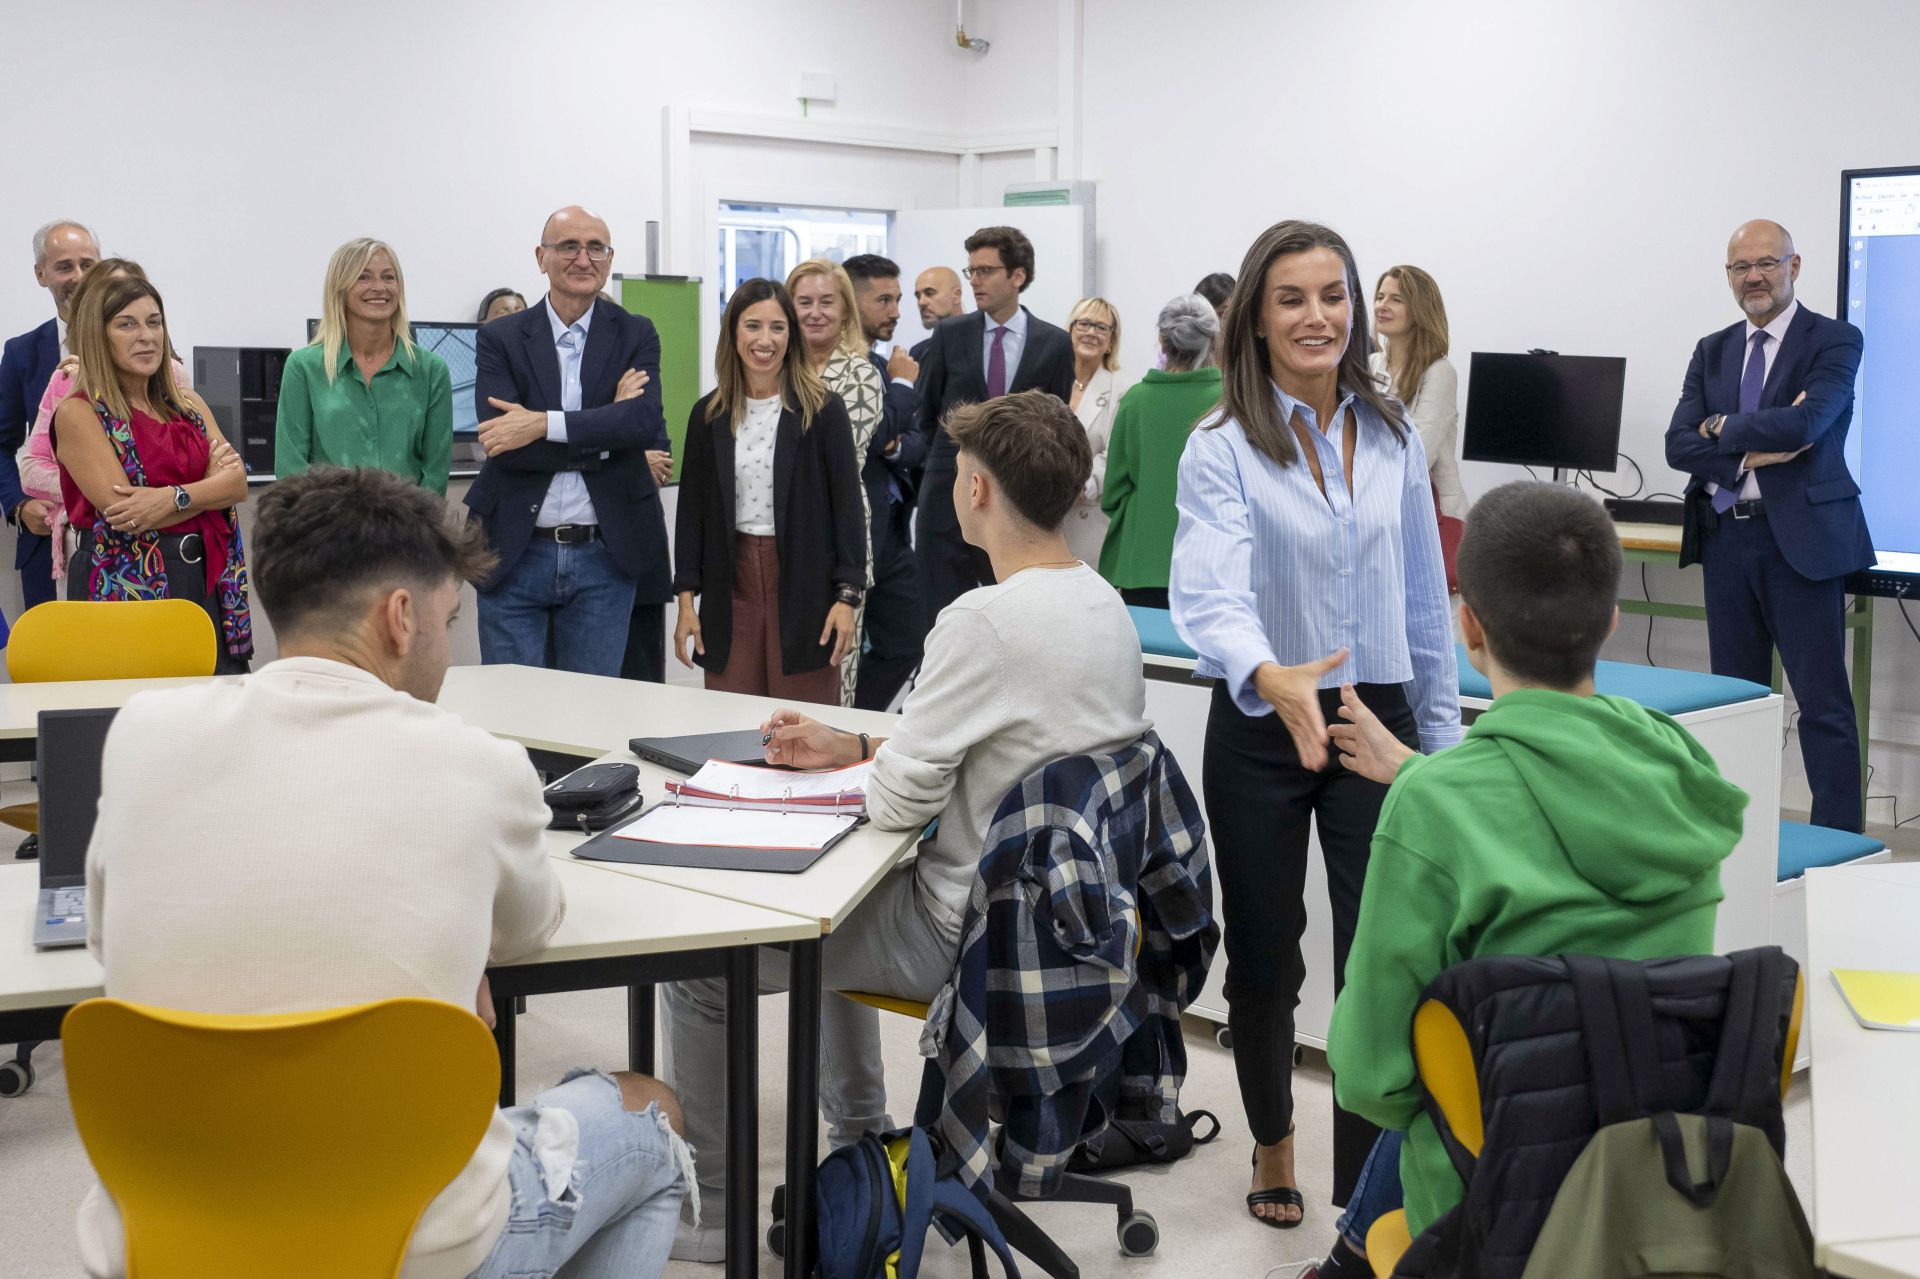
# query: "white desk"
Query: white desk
1866,1105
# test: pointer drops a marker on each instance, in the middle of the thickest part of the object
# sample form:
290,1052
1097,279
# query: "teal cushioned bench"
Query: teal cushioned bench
1804,848
1157,635
1660,688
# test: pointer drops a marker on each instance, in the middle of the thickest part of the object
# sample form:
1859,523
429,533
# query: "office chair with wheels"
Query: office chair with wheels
90,639
252,1170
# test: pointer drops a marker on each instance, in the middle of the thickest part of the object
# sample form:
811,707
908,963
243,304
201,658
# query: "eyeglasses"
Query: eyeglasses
1767,266
981,272
1092,326
595,251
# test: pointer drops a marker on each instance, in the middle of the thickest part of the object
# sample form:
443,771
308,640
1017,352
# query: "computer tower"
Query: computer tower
241,384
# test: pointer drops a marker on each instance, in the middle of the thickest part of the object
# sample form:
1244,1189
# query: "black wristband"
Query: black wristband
848,595
864,750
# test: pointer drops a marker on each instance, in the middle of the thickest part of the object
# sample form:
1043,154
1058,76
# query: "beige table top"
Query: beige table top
607,916
1866,1105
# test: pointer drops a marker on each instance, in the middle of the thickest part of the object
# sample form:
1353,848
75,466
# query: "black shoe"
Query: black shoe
29,849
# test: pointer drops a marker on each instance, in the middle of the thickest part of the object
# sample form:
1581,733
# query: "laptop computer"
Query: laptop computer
71,743
690,753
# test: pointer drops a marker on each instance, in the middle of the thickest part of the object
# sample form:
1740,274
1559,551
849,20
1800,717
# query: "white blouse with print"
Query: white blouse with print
753,468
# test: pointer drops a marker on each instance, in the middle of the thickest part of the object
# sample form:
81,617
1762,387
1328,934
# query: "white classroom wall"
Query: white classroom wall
1569,172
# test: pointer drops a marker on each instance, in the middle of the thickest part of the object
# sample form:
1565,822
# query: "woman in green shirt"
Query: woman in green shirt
362,394
1150,430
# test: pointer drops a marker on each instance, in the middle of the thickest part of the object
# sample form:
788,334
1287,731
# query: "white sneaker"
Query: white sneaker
706,1242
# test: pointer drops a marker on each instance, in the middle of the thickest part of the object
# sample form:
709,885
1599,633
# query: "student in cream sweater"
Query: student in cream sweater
320,834
1043,664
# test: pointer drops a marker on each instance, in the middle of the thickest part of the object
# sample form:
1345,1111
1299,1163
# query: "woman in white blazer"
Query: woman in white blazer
1093,327
1410,361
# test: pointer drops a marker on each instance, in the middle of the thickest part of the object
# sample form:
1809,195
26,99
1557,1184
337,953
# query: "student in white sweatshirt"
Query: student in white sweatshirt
1043,664
320,834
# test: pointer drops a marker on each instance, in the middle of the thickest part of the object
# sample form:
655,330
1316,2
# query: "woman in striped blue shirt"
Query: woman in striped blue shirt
1306,557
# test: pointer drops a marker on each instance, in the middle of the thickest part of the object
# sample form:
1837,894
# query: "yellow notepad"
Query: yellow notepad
1880,1000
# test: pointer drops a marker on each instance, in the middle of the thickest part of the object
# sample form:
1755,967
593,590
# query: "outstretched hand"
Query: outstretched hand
1366,746
1294,694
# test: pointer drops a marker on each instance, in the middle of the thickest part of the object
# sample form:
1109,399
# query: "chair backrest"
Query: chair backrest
101,639
297,1145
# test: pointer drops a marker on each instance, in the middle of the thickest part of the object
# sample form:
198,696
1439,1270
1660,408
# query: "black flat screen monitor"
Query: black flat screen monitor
1880,296
456,342
1561,411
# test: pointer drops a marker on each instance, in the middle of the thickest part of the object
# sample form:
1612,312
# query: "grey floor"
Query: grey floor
44,1173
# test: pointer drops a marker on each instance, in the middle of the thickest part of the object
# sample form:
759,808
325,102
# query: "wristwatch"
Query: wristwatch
1713,424
181,499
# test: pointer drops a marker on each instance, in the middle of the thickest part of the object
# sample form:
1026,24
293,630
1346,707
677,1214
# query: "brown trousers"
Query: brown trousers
753,658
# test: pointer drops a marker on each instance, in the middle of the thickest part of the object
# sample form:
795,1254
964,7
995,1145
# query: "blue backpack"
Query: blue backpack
876,1199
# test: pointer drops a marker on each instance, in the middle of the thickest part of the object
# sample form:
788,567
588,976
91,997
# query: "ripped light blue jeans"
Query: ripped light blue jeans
615,1215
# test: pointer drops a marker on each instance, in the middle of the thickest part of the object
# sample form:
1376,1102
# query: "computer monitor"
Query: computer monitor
1880,296
456,342
1561,411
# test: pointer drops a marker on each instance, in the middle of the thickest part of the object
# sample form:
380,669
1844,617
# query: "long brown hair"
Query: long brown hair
1426,341
800,387
93,308
1246,378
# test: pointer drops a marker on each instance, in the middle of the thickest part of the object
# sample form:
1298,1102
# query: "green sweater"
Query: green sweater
402,423
1150,429
1561,824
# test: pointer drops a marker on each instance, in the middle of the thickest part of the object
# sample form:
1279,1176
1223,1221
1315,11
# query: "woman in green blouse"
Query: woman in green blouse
362,394
1150,430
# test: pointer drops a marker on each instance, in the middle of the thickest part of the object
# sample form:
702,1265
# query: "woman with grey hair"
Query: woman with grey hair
1150,431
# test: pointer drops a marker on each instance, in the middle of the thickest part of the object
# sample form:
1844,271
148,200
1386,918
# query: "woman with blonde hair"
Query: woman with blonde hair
835,347
361,393
1410,361
1093,327
146,474
770,534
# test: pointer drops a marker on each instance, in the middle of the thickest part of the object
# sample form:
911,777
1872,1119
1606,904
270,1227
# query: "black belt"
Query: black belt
192,546
568,534
1754,510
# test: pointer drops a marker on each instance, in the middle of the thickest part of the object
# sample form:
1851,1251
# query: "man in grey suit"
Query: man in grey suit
993,351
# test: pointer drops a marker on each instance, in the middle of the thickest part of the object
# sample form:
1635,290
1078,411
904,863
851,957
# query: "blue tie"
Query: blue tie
1752,379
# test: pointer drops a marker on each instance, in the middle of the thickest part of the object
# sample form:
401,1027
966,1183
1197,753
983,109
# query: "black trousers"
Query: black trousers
1757,602
896,617
646,655
1260,803
36,571
1145,596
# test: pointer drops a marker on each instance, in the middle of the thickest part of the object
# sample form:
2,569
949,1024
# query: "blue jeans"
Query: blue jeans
576,595
1376,1194
616,1215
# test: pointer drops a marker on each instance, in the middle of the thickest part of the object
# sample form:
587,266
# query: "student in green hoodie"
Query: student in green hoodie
1565,822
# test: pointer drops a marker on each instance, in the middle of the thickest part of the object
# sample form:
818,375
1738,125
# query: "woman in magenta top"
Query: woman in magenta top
39,469
146,475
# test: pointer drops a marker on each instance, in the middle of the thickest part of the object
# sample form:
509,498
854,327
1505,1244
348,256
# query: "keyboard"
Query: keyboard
69,903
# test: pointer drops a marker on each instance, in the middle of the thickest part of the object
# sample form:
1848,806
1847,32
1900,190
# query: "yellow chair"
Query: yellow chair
304,1146
91,639
1444,1060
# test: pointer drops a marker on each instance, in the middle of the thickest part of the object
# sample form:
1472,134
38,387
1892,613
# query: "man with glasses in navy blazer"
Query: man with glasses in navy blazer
1773,516
993,351
62,252
568,393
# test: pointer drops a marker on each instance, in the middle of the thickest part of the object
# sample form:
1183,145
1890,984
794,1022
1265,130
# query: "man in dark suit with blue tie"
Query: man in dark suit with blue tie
1773,516
993,351
62,252
568,393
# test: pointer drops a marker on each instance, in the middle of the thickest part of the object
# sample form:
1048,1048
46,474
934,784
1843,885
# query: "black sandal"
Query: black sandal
1287,1196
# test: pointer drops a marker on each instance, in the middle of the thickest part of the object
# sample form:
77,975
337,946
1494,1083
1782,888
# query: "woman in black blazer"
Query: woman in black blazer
770,533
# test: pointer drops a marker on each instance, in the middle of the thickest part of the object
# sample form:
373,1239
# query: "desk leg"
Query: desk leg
1863,680
803,1091
743,1112
503,1039
640,1029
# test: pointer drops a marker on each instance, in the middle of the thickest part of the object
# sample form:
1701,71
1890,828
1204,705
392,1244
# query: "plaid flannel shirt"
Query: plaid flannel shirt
1090,927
